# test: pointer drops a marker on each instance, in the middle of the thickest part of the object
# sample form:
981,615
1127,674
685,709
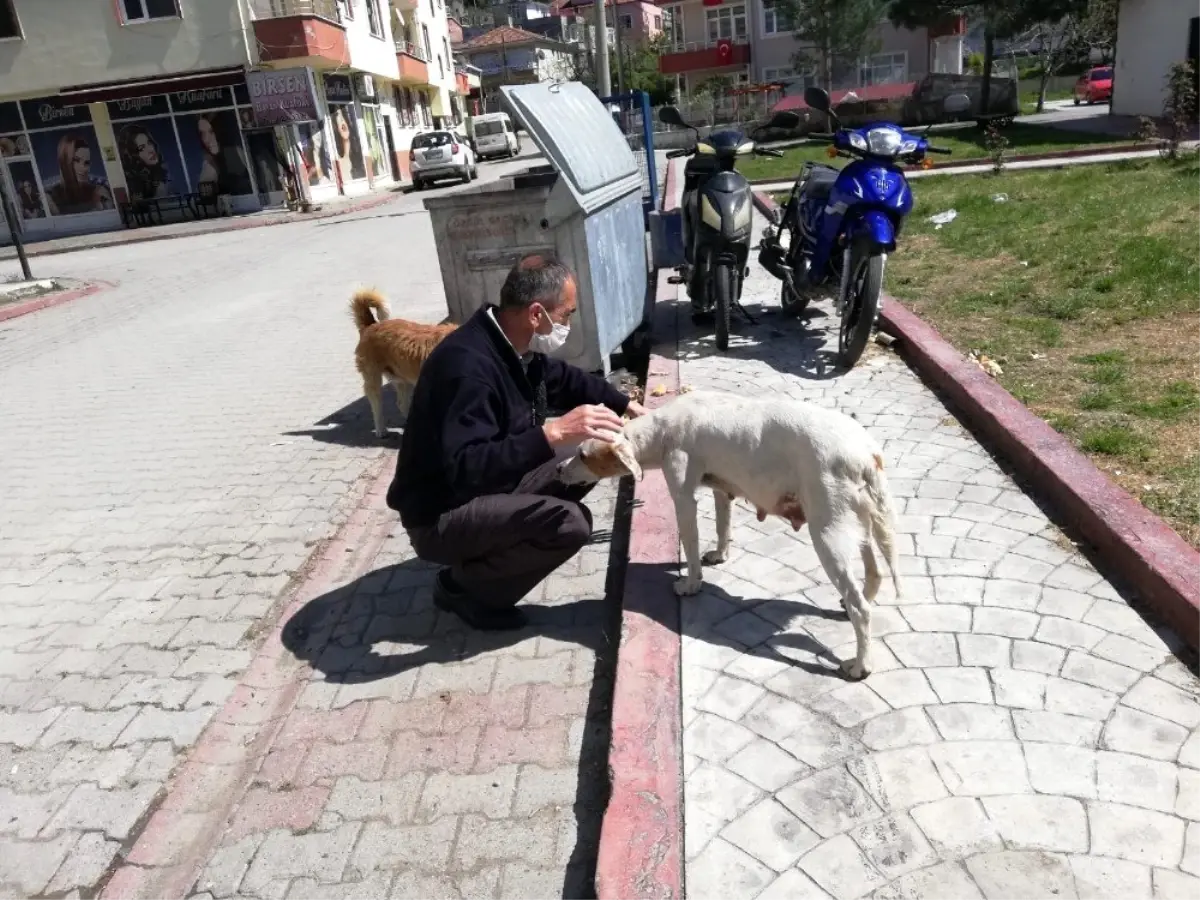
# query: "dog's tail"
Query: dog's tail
368,307
882,516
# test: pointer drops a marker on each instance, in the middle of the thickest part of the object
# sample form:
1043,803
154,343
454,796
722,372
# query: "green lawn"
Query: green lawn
1029,99
966,143
1085,287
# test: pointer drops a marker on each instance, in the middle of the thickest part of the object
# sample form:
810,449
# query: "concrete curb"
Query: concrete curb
641,837
171,849
232,224
951,165
57,298
1136,545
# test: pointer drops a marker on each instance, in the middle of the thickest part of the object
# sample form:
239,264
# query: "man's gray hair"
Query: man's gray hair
535,279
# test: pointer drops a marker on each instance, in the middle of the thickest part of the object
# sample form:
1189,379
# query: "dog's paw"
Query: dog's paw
855,670
714,558
686,587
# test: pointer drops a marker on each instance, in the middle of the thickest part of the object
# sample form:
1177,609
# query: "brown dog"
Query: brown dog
391,349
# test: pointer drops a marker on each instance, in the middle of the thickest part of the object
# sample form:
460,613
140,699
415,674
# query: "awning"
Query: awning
145,87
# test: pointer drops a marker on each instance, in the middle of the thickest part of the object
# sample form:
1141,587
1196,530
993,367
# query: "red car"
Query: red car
1094,86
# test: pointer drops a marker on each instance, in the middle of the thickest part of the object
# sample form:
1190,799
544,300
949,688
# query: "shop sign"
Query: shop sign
138,107
194,101
282,96
51,112
337,89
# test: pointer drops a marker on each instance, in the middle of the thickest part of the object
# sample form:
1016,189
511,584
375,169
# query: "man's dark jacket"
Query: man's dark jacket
475,423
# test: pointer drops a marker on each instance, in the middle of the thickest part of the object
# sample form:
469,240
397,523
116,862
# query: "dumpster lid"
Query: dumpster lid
578,135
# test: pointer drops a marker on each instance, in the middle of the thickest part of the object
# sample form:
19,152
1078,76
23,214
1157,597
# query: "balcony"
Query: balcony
414,63
304,32
692,56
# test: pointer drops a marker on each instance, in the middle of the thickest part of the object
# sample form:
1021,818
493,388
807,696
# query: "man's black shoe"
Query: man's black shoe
448,597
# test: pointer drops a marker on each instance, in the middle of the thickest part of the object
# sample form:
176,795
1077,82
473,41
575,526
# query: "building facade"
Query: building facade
511,55
1151,36
750,42
148,99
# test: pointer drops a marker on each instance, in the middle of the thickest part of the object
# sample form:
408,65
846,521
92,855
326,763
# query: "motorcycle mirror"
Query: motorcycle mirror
669,115
957,103
817,98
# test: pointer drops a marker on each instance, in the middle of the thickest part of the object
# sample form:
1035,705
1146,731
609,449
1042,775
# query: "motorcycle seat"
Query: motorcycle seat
819,181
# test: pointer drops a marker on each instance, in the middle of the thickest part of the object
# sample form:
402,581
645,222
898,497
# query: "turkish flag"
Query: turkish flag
725,51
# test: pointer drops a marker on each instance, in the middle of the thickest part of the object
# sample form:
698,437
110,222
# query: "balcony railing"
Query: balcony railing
279,9
410,49
691,46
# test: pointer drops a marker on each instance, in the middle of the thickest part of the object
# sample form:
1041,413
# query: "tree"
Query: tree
642,72
833,33
1055,42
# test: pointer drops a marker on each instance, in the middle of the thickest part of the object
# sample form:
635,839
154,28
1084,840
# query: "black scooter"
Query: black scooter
718,213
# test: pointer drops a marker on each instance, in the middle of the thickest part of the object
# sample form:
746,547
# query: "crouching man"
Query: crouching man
476,481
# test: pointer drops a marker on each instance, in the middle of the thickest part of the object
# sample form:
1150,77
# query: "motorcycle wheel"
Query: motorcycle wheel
792,301
723,288
862,306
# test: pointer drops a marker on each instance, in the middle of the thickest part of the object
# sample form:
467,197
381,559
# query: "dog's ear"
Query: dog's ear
623,450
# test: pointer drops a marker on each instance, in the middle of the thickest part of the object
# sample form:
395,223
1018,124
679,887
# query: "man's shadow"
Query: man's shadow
345,634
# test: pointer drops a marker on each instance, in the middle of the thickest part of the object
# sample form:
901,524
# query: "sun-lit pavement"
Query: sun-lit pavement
174,447
1026,734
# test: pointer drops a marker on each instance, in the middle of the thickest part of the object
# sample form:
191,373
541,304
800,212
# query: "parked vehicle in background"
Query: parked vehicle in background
441,154
494,135
1094,86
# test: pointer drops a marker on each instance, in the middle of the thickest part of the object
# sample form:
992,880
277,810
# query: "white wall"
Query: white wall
369,53
1151,35
75,42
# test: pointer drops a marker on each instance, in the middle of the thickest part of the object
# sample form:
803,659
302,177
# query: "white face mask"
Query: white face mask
552,342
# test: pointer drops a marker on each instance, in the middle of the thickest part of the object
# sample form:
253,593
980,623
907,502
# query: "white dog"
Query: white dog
789,459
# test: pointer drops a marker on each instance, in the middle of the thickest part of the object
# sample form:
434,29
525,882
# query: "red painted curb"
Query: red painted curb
234,224
55,299
173,847
641,837
1107,150
1136,545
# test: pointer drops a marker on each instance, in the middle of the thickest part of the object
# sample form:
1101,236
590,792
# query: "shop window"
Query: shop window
9,26
148,10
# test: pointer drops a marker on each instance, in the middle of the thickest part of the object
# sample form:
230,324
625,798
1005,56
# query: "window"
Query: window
726,23
658,23
347,9
884,68
432,11
775,21
449,56
673,25
770,76
425,36
627,22
441,67
146,10
374,18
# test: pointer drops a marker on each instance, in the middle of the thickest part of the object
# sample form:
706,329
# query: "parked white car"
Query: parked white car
495,136
441,154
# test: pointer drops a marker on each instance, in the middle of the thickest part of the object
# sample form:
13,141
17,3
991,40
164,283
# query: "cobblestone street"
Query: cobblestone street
175,447
1025,733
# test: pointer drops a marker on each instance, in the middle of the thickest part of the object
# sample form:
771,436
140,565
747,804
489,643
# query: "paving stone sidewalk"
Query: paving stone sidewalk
1026,734
426,761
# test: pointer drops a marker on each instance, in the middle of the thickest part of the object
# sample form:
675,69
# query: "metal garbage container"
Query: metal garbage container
585,208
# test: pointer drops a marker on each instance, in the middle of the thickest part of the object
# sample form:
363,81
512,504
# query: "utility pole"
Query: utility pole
14,228
603,76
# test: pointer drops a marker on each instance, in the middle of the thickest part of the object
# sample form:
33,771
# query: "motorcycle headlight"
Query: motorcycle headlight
857,141
704,148
741,214
709,214
883,141
745,147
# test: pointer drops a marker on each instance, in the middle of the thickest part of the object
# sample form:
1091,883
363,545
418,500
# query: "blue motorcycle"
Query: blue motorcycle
841,224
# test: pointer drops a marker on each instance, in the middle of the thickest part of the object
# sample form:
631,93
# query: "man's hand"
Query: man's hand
581,423
635,409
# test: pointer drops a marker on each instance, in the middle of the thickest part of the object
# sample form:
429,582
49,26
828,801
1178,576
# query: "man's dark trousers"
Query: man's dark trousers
500,546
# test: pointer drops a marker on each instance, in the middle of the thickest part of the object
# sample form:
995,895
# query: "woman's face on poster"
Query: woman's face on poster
208,137
147,150
343,126
81,163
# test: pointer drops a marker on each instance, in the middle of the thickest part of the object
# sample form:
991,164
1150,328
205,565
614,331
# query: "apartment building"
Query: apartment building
511,55
640,21
751,42
105,102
